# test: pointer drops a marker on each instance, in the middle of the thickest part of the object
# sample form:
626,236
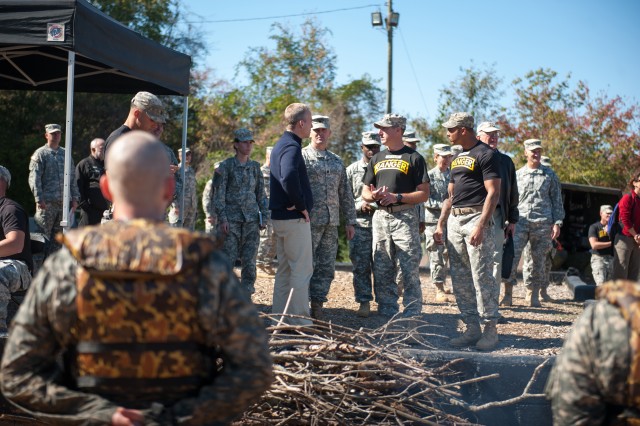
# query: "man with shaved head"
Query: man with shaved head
88,173
142,312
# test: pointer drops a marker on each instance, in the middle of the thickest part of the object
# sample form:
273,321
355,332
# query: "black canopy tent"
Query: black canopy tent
69,45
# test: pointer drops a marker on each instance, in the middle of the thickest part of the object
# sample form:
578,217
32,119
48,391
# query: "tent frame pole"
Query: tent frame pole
68,144
185,111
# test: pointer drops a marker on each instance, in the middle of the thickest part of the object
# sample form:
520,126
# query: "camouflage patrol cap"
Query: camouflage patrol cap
320,122
52,128
459,119
456,149
488,127
545,161
4,174
151,105
410,137
442,149
370,138
391,120
242,135
531,144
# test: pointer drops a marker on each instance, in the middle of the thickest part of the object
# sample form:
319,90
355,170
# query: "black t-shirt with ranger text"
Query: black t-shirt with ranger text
400,171
599,231
14,218
469,171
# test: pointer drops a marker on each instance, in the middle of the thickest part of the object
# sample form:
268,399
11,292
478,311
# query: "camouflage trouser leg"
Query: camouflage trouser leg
242,241
498,231
267,249
396,236
361,255
534,271
48,221
474,286
601,268
14,276
189,219
324,240
438,255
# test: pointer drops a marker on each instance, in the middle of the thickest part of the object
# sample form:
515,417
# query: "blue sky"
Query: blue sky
596,41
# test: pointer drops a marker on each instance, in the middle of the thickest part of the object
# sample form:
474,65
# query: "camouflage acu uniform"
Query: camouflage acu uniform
267,249
207,206
360,247
332,196
540,206
190,201
173,160
240,201
46,180
595,377
209,311
438,255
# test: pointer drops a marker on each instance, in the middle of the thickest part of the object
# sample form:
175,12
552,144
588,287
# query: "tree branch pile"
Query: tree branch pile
327,374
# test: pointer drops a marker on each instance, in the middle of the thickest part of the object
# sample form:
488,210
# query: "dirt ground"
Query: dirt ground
527,330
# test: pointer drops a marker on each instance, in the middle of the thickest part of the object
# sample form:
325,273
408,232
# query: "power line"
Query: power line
415,76
281,16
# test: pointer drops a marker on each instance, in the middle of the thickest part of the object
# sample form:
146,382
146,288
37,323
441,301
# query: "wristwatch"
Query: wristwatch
398,198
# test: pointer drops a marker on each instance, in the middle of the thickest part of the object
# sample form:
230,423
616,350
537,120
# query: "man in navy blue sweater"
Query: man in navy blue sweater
290,203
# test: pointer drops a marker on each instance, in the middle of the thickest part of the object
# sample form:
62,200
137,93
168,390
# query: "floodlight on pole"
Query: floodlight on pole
376,19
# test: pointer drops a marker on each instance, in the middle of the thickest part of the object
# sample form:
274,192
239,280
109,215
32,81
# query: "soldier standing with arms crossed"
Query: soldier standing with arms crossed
331,198
360,246
397,180
474,191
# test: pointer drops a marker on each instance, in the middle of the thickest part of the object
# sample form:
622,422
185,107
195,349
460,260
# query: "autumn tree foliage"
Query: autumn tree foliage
592,140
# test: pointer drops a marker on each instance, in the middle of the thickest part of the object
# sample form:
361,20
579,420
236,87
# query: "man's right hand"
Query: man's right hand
366,207
42,205
224,226
127,417
304,213
438,235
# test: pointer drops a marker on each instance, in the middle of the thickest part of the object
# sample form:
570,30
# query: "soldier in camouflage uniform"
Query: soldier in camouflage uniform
190,213
267,249
474,191
360,246
46,180
595,377
110,314
332,198
541,215
438,255
208,194
241,207
396,179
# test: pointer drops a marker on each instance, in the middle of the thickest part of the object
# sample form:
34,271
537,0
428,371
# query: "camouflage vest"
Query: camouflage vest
626,296
138,334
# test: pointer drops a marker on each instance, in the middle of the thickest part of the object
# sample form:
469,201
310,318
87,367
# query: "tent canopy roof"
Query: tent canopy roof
36,35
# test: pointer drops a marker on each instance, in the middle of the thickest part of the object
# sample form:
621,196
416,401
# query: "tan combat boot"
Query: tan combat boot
470,337
441,294
316,310
545,296
489,338
531,299
365,310
507,299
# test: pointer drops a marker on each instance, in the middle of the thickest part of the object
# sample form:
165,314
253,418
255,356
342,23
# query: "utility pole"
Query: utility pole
390,21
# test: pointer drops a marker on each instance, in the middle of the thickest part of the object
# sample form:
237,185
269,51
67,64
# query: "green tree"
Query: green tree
592,140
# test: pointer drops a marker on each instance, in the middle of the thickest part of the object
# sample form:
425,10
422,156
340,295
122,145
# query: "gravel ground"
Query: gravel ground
527,331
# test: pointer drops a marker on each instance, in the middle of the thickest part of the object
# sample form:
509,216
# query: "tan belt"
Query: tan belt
458,211
398,208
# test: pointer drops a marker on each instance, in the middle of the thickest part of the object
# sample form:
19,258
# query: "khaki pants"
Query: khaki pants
295,267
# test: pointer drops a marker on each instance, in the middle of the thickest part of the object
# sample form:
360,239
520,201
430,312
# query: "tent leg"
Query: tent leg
185,110
68,144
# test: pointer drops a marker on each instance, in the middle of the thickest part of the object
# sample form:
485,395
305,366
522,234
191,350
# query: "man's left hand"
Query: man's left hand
351,232
476,236
127,417
555,232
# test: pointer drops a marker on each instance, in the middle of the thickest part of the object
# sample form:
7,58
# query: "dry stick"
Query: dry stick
286,307
525,393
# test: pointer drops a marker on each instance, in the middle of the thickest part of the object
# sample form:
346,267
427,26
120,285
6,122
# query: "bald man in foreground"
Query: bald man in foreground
143,314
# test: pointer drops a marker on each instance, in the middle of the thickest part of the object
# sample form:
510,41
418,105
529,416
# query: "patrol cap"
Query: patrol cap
545,161
443,150
320,122
488,127
217,164
242,135
531,144
456,149
4,174
391,120
370,138
410,137
151,105
52,128
188,150
459,119
269,149
606,208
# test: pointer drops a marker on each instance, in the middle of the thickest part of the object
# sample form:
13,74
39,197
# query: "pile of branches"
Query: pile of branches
328,374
